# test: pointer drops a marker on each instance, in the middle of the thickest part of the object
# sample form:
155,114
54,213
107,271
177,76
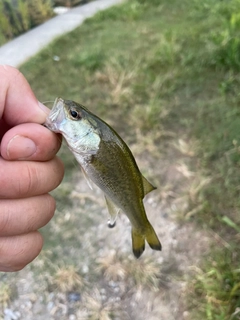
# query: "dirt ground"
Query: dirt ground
114,284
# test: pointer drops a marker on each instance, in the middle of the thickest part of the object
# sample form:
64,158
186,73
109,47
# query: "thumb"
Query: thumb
18,103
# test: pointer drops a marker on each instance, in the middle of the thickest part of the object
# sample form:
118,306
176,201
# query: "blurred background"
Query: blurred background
19,16
165,75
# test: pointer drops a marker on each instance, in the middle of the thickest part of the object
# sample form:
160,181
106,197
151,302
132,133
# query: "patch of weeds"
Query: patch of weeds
145,273
167,51
140,274
217,287
95,308
131,11
67,279
119,81
222,41
5,295
91,61
153,2
193,203
112,267
19,16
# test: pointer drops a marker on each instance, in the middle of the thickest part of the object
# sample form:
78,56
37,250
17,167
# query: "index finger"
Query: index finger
18,103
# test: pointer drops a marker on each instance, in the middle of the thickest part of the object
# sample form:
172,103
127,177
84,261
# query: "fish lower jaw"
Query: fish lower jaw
51,126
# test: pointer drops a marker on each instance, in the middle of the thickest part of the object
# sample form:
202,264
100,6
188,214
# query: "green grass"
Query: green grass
19,16
166,66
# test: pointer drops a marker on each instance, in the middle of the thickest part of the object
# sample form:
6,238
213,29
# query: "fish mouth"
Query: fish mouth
56,115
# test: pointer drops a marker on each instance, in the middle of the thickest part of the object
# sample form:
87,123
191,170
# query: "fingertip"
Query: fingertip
38,244
29,252
20,147
60,168
18,103
30,141
18,251
43,108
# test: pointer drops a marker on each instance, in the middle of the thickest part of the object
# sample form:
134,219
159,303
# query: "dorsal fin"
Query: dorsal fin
147,186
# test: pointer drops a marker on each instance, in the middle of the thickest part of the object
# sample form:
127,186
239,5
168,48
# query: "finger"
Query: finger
30,141
21,216
16,252
18,103
4,127
23,179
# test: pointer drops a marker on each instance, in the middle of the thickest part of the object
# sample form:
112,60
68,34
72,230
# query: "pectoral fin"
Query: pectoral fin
113,212
87,179
147,186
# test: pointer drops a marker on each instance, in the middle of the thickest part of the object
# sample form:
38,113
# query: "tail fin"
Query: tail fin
152,239
138,243
138,240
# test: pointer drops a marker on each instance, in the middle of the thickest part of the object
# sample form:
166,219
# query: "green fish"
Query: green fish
107,161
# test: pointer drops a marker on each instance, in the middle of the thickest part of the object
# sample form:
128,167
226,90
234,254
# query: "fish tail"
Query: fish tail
152,239
138,243
138,240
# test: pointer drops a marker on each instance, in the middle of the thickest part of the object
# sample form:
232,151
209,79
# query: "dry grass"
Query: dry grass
190,201
118,80
67,279
5,295
145,275
112,267
139,274
96,308
186,148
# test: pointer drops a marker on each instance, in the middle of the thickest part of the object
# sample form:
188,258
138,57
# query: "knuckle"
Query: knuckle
30,181
41,213
40,178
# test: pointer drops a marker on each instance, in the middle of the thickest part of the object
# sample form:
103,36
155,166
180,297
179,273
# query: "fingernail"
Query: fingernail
43,107
20,148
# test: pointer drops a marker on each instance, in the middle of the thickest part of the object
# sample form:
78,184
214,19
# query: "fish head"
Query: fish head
76,124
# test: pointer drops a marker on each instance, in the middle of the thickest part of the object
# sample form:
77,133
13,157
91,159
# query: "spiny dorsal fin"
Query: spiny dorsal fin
147,186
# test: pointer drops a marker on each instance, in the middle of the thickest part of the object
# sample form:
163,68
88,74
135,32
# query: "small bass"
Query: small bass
107,161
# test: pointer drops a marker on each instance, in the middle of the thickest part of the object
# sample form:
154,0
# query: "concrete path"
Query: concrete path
20,49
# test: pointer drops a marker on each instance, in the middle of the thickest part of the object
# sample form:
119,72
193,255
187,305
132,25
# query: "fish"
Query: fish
107,161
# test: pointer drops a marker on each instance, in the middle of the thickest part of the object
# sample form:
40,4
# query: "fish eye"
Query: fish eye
75,114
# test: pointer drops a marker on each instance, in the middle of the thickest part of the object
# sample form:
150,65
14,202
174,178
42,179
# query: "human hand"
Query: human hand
29,170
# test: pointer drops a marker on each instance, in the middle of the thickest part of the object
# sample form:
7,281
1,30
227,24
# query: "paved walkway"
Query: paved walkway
20,49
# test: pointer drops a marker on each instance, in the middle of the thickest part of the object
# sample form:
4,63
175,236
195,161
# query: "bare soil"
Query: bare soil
104,259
